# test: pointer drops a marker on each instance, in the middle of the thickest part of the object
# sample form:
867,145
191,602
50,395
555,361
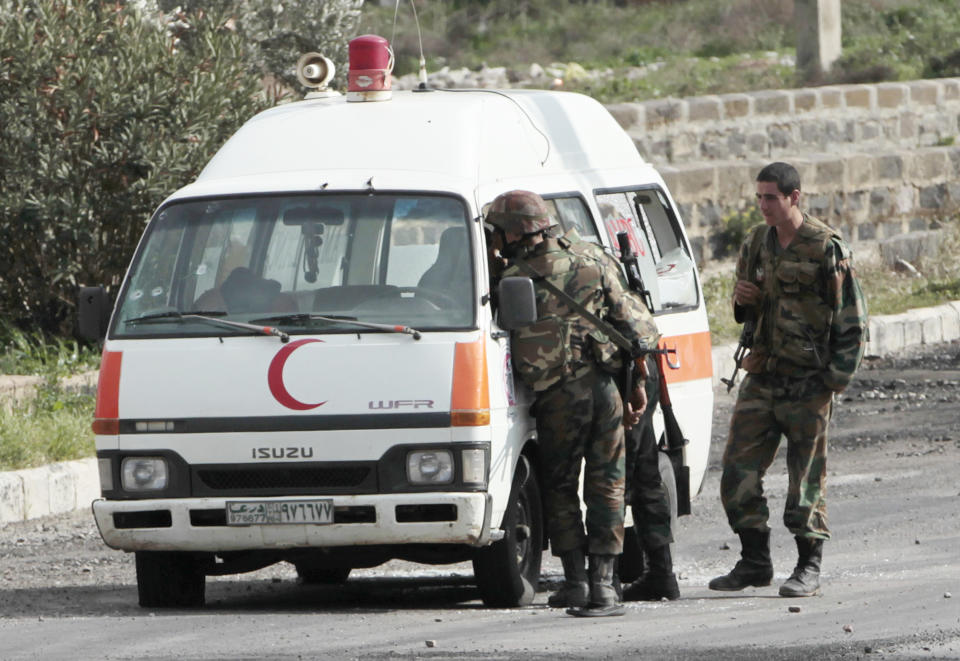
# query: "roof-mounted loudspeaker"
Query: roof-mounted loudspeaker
314,70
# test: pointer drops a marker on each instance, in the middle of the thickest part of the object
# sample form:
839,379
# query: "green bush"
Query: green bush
727,240
273,35
103,111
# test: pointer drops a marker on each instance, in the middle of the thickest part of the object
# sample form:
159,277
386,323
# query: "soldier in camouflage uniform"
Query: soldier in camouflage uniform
650,502
795,275
570,364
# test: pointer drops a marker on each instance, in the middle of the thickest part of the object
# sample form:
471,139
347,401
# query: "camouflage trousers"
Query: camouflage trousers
768,408
583,420
645,493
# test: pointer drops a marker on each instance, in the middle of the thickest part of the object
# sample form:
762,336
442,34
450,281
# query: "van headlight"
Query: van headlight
144,473
430,467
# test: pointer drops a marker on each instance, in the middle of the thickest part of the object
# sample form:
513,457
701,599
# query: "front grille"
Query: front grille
285,480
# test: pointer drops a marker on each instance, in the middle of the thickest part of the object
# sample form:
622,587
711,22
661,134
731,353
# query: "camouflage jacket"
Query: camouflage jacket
813,316
561,345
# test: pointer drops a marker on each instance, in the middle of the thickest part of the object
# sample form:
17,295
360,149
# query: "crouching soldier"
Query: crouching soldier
571,366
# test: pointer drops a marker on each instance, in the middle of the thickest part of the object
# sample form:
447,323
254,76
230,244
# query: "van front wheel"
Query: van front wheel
170,579
508,570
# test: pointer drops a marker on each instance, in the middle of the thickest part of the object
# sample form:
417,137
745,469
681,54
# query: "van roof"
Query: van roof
472,136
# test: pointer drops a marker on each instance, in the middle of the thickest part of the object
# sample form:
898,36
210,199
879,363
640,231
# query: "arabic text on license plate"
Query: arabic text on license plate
283,511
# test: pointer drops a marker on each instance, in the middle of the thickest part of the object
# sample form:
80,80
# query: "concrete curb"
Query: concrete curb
71,485
52,489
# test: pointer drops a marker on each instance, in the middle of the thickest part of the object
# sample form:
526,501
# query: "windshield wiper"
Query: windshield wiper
205,317
304,317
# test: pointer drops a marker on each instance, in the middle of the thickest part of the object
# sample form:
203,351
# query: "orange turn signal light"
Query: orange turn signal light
470,399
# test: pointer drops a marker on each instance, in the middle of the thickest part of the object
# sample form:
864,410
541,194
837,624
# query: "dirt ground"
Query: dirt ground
891,573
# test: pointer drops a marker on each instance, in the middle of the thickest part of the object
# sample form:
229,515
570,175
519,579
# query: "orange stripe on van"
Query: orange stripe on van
693,354
107,410
470,400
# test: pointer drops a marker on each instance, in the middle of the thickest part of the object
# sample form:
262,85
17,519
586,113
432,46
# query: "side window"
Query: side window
675,266
572,213
665,265
619,215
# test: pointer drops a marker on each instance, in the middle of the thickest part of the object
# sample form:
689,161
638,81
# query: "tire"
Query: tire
312,574
508,570
170,579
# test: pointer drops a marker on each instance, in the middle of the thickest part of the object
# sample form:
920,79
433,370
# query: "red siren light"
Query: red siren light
371,65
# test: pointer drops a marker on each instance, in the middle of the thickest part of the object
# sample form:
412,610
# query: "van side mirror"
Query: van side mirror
93,313
518,304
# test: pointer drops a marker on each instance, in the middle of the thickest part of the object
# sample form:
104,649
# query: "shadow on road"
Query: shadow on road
246,594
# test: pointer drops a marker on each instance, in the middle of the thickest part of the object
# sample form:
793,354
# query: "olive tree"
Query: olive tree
107,107
276,33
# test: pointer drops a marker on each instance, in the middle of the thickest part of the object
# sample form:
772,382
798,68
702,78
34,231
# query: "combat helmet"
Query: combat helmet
520,212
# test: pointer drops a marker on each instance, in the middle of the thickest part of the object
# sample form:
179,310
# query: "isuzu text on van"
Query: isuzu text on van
304,362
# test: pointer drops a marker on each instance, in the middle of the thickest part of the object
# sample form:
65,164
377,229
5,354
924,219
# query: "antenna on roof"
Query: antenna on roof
423,62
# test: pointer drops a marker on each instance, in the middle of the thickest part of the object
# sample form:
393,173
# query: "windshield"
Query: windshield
383,258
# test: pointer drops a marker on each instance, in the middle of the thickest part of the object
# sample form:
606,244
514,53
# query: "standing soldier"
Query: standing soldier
570,364
796,279
650,503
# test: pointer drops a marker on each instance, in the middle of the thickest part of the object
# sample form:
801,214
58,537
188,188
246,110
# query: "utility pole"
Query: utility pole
818,35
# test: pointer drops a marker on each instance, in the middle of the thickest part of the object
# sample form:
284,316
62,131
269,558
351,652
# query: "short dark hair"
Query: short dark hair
784,175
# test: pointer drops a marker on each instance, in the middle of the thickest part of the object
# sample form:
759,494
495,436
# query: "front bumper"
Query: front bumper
193,524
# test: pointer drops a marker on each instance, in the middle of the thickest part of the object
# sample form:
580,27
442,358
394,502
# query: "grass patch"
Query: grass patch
54,425
38,355
656,48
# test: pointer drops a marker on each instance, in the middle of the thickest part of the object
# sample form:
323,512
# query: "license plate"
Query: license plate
279,512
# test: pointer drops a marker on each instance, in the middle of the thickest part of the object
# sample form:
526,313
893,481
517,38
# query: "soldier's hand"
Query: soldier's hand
746,293
635,407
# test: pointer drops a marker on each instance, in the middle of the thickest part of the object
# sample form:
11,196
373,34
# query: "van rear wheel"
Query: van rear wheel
170,579
508,570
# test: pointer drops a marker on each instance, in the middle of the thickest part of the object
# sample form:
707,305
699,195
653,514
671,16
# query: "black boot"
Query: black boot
805,579
573,594
754,567
603,596
658,582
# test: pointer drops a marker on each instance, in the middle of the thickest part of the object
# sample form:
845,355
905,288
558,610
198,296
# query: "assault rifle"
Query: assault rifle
746,341
749,313
674,434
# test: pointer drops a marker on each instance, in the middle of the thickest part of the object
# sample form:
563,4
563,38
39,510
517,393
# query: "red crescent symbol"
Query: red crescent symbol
275,378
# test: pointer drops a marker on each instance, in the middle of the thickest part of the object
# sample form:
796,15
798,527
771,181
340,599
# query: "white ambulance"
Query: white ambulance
304,363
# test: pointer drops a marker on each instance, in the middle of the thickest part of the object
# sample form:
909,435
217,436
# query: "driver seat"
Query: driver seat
450,273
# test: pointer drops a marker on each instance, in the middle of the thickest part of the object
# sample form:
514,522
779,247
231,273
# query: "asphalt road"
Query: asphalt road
891,581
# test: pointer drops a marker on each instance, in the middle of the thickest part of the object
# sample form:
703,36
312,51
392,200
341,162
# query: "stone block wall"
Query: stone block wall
773,124
876,161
